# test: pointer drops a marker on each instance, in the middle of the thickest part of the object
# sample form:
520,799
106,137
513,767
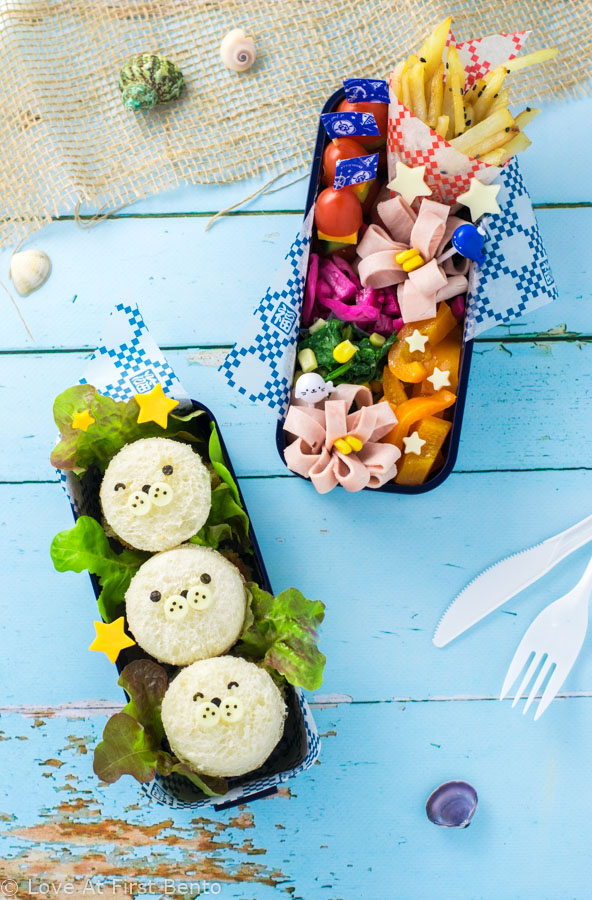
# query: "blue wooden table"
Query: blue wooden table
397,716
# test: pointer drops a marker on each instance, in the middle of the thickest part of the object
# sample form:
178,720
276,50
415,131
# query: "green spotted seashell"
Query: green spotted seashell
148,79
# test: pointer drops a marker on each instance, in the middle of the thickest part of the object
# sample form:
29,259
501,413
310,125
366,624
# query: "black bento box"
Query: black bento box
450,447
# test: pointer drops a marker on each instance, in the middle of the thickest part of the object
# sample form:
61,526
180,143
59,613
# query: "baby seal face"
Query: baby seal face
186,604
156,493
223,716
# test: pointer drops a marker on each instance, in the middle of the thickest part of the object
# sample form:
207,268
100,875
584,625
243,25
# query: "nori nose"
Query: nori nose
145,488
216,700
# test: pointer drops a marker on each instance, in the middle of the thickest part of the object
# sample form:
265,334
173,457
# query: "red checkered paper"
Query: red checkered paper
448,172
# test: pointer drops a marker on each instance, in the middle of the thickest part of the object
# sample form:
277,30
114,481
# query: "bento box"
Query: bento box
298,747
450,447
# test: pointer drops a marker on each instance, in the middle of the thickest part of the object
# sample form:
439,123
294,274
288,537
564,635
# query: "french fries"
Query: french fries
474,118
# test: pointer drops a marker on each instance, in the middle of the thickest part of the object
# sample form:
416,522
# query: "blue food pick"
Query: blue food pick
469,241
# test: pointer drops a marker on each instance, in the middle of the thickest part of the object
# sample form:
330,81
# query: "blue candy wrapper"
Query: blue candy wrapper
128,361
514,280
349,124
368,90
355,171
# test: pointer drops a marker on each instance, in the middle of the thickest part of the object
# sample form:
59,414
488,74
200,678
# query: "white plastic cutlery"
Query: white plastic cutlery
551,646
506,578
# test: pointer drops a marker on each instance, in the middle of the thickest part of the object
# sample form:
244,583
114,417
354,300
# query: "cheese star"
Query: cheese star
83,420
440,378
409,182
111,639
417,341
155,406
414,443
480,198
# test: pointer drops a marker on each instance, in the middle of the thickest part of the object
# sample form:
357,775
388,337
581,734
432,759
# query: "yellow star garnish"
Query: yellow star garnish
83,420
111,639
409,182
155,406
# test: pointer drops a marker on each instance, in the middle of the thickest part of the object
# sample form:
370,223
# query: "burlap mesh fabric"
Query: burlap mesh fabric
66,137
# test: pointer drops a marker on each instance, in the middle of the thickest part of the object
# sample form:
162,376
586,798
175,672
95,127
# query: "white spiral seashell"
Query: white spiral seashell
29,269
238,51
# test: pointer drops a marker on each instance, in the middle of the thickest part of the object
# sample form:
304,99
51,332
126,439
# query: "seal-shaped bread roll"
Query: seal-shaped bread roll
186,604
223,716
156,493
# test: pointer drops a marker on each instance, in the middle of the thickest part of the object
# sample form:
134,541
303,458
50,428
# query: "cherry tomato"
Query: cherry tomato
341,148
380,113
337,213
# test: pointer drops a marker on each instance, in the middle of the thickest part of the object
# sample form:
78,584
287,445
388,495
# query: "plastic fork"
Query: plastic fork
551,645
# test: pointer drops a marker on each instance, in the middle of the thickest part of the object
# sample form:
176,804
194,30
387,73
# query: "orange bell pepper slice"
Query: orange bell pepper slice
415,409
416,468
411,367
393,388
446,355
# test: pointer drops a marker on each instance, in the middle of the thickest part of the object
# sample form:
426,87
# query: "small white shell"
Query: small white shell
238,51
29,269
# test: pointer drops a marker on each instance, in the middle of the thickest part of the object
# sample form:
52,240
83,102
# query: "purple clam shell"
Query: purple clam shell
452,805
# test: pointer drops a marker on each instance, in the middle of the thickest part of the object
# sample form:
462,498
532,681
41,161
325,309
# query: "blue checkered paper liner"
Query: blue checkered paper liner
172,791
260,366
516,277
371,90
349,124
355,171
128,361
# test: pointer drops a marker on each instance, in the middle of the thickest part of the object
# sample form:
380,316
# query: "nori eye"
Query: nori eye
155,596
205,578
231,684
167,470
120,486
197,695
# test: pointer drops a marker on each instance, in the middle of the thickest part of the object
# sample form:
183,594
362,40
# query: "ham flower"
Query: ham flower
319,433
427,231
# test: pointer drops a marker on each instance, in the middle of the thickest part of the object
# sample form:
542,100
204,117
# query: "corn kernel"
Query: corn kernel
318,323
308,361
354,442
377,340
344,351
404,255
343,446
412,264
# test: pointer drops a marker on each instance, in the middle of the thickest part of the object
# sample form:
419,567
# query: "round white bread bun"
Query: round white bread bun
234,726
156,493
186,604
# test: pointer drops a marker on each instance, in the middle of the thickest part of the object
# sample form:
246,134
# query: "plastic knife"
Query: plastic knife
506,578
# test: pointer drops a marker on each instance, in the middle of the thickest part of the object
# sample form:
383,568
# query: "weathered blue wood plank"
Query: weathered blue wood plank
197,288
566,121
353,826
386,567
527,408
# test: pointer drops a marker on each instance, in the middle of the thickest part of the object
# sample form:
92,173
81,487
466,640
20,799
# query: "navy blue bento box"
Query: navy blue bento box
450,447
299,745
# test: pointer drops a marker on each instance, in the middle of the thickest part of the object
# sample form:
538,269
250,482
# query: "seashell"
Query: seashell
29,269
147,79
452,805
238,51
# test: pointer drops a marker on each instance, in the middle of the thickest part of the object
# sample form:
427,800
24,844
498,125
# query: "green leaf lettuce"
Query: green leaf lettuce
132,738
86,546
282,633
115,425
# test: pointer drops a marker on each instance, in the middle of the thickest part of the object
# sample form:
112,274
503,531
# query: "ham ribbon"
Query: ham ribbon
428,231
313,454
